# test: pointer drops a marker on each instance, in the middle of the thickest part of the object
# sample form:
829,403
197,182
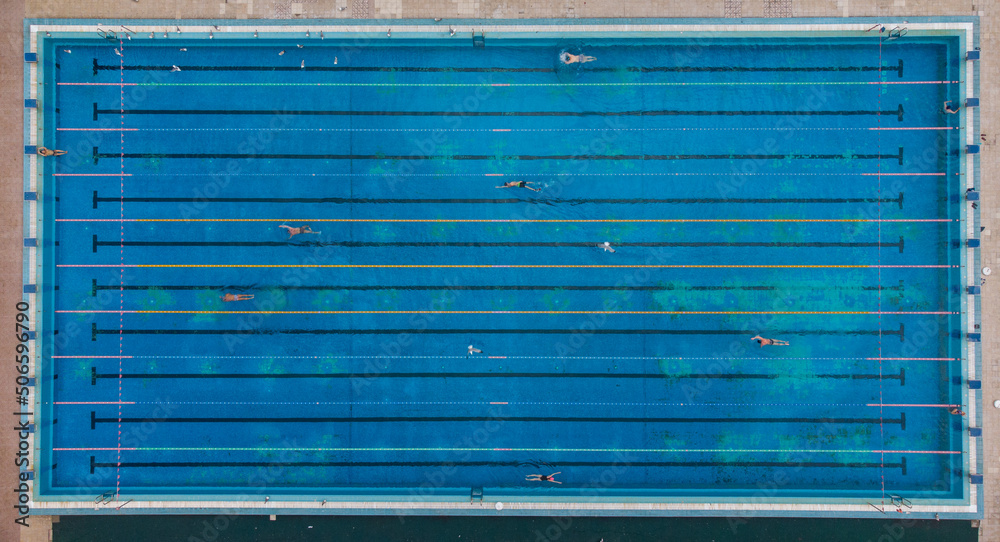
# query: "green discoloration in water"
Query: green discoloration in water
616,232
157,299
383,231
329,299
387,300
443,230
504,302
504,230
271,366
82,370
557,300
208,300
329,365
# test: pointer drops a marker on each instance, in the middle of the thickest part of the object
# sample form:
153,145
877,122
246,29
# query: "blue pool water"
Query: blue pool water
747,187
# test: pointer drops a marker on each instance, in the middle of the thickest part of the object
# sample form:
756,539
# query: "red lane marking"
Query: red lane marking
500,85
920,312
941,452
94,403
920,128
911,82
494,174
92,357
915,359
96,129
100,84
90,449
501,129
498,402
91,174
496,357
502,449
906,174
908,405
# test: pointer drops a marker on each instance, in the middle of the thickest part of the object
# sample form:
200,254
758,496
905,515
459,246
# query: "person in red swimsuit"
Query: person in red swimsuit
769,342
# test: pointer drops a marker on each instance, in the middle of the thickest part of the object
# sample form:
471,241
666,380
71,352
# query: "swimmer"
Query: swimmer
956,411
175,68
184,49
303,65
474,350
292,232
607,247
68,51
281,52
950,109
237,297
542,478
520,184
569,58
42,151
771,342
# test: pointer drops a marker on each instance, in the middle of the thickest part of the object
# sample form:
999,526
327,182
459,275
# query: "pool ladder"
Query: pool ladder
476,496
480,40
105,498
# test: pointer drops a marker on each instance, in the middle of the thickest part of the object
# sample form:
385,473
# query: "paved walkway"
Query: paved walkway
10,135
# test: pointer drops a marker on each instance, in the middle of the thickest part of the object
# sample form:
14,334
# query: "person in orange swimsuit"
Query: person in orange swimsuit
292,232
769,342
520,184
236,297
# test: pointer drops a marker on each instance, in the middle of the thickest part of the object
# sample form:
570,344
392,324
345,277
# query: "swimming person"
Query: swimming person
542,478
42,151
772,342
474,350
568,58
520,184
956,411
237,297
607,247
950,109
292,232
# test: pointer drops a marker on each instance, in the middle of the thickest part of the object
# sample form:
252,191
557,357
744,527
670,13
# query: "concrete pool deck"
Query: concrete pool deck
13,64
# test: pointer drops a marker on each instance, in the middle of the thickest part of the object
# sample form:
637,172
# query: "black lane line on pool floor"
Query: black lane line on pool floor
94,464
533,201
898,112
95,287
490,244
448,69
607,376
97,155
511,419
94,420
95,331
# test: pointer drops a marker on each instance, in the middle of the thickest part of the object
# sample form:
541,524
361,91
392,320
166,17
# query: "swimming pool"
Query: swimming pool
438,338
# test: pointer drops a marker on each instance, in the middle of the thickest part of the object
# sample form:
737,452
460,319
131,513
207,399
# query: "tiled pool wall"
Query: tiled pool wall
256,500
